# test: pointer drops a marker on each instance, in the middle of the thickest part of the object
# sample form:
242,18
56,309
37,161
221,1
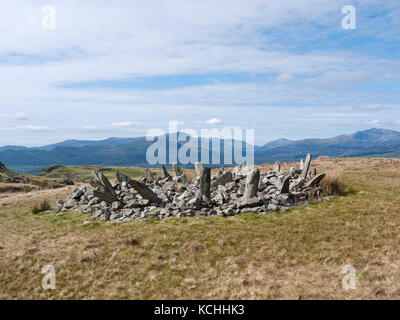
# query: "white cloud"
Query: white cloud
372,122
213,121
18,116
284,77
33,128
126,124
90,127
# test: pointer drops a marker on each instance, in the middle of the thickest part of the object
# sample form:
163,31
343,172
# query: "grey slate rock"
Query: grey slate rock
252,182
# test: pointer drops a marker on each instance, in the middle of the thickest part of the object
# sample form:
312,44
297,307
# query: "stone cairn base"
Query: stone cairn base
227,193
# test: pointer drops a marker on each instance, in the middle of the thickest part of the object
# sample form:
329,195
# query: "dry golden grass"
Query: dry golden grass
332,184
298,254
41,206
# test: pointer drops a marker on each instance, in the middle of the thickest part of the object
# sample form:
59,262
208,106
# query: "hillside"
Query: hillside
9,176
11,181
365,143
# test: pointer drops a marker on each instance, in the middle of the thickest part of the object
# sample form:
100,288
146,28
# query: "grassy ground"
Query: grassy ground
298,254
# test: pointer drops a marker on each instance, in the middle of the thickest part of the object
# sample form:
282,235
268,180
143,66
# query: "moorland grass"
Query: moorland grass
298,254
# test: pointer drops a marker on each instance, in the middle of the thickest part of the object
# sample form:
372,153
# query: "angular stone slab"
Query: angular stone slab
242,170
225,178
250,203
144,191
277,166
198,167
106,192
306,167
104,196
148,175
286,185
141,188
237,171
296,185
252,181
316,180
165,172
177,171
205,183
122,177
301,164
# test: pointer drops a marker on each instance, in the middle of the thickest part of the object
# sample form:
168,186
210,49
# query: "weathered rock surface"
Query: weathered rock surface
144,191
177,171
277,166
104,189
148,174
306,166
205,184
165,172
252,182
316,180
198,167
286,185
223,179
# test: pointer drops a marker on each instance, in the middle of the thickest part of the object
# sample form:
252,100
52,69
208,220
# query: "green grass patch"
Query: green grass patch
84,173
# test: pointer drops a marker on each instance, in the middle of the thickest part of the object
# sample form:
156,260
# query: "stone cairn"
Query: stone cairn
226,193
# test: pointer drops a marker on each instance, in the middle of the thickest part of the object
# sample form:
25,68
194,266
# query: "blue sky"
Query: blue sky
283,68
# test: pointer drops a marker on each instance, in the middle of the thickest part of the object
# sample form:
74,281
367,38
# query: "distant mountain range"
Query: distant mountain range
132,151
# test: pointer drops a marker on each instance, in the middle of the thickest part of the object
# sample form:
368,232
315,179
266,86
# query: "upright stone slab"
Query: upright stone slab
301,164
165,172
205,183
306,167
277,166
286,185
252,181
177,171
149,175
106,191
238,170
199,167
121,177
247,169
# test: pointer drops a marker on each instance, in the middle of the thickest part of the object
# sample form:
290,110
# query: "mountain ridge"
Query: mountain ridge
132,151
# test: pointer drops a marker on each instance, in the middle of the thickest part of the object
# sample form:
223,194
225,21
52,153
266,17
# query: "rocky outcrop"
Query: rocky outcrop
3,168
9,176
226,193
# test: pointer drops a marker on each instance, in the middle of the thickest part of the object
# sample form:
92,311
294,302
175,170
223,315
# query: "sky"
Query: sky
285,68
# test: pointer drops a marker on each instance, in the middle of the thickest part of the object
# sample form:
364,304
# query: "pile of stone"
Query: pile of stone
227,193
